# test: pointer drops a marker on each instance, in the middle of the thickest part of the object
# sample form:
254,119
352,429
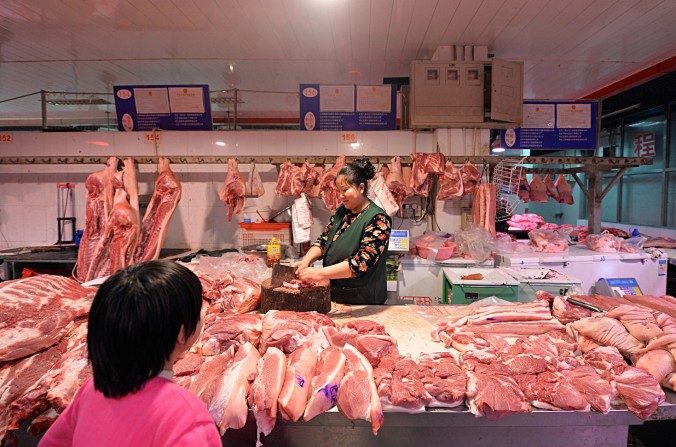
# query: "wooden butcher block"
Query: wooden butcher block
274,295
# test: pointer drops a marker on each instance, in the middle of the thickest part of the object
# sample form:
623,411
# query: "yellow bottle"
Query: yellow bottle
274,251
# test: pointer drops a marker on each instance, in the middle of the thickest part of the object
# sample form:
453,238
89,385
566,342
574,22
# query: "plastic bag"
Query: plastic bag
633,244
476,242
506,244
381,195
254,184
604,243
239,264
301,218
435,246
548,241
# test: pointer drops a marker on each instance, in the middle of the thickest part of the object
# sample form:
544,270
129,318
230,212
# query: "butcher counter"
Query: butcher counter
411,327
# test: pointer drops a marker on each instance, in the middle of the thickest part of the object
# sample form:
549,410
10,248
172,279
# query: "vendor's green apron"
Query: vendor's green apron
369,287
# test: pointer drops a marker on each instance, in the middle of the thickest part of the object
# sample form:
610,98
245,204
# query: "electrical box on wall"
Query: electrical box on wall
466,94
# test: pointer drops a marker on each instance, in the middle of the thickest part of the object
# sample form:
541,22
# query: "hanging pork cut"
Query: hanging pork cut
161,208
99,202
538,190
312,182
117,246
395,182
450,183
564,190
286,174
551,189
471,177
233,190
484,206
425,166
524,189
327,184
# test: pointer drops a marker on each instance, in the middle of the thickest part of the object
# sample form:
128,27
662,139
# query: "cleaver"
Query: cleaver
281,273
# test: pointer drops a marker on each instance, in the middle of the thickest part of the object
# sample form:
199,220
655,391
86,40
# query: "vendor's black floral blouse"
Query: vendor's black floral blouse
373,243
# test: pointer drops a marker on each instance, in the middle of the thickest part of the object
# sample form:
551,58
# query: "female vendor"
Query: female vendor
353,246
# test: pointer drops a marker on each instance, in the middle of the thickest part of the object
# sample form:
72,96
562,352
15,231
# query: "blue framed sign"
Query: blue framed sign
554,125
166,107
348,107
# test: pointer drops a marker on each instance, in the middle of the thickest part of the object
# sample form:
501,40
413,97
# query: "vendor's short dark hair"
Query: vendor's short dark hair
135,320
357,172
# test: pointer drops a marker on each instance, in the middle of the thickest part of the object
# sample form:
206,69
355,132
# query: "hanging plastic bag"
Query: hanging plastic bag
254,185
301,219
381,195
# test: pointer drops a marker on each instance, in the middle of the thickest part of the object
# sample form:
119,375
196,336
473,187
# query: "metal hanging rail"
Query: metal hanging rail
600,163
592,167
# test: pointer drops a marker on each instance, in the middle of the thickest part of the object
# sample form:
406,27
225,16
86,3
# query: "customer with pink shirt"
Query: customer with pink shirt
141,320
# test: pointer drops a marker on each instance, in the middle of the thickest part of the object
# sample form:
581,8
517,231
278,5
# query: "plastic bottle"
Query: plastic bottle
274,250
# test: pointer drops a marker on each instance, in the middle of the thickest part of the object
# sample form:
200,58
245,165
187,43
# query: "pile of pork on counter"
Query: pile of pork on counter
496,359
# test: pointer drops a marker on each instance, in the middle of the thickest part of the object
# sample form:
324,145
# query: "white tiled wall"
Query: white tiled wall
28,193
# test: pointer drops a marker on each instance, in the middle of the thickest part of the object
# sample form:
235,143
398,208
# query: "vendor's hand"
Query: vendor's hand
300,265
311,274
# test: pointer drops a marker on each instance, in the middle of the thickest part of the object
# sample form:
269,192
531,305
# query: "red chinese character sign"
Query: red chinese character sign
644,145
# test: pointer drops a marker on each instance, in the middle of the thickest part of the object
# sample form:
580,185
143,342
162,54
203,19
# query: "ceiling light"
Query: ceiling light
355,145
498,149
219,143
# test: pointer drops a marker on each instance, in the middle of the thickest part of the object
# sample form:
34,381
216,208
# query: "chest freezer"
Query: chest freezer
532,279
460,289
589,266
421,281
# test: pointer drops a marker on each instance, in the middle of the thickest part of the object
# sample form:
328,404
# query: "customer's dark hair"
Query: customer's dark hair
357,172
135,320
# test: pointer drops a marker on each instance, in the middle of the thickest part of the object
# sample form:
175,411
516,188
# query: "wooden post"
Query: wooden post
593,200
43,101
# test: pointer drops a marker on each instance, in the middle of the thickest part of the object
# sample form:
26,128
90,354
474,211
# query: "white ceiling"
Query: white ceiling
569,47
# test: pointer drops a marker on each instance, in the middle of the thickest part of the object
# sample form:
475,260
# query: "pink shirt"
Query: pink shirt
160,414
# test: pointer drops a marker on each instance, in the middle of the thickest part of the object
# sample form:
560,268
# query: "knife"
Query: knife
585,305
281,273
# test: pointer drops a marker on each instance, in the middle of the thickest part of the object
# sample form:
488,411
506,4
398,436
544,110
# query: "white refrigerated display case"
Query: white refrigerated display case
421,281
589,266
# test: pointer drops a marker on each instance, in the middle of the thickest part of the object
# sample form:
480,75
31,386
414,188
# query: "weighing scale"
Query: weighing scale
618,287
399,241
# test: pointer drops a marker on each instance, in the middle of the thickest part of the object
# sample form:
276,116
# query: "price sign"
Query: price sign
152,137
348,137
6,138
